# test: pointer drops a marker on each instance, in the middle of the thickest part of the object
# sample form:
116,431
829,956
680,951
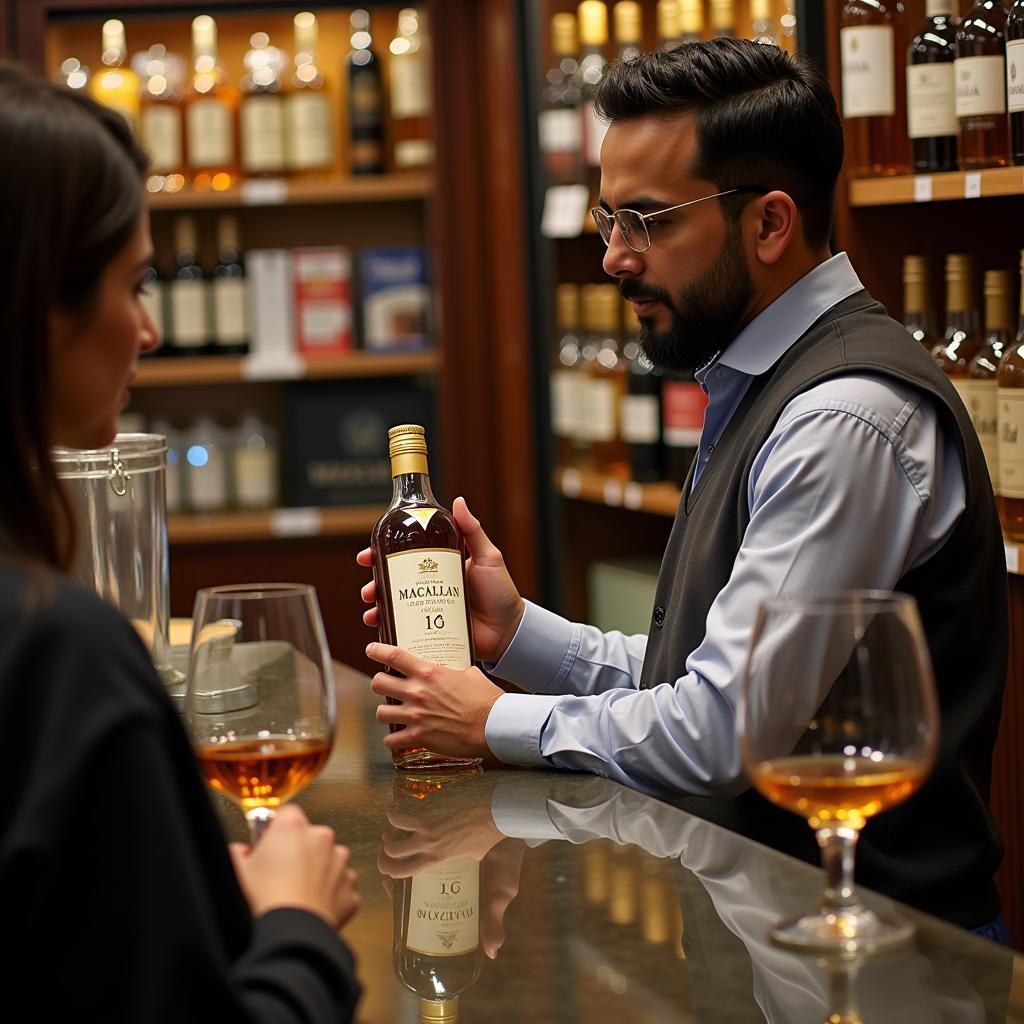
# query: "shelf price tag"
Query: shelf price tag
571,483
612,492
972,185
565,206
633,495
1012,557
295,522
922,188
264,192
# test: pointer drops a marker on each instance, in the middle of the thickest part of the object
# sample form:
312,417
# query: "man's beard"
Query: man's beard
705,316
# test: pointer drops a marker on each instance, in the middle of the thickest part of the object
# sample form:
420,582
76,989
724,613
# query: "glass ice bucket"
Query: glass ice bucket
121,513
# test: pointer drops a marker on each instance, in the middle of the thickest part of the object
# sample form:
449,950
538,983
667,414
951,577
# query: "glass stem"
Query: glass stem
838,846
258,818
842,1001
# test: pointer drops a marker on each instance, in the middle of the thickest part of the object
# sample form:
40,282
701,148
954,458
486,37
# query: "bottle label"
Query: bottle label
564,402
414,153
208,125
308,127
868,77
559,131
444,909
594,130
429,602
981,400
365,100
188,313
640,419
600,419
1011,442
682,410
980,86
256,477
208,483
410,86
262,124
152,300
1015,75
230,316
931,101
161,136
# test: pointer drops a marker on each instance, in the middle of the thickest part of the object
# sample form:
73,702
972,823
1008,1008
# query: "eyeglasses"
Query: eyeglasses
633,224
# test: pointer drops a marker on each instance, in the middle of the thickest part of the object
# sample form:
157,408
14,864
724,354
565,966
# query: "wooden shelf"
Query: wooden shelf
660,499
283,192
918,188
186,371
277,524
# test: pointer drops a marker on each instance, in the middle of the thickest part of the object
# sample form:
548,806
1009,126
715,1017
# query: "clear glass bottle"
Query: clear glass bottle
261,114
917,316
640,408
365,99
931,92
1015,79
980,69
627,24
116,85
211,113
161,118
230,292
960,342
691,20
559,126
1011,430
609,454
411,93
189,329
565,376
593,24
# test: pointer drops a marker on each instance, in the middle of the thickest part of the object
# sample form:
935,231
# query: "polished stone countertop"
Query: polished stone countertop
550,897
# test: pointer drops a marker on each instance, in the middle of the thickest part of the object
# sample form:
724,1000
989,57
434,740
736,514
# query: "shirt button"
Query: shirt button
659,616
711,449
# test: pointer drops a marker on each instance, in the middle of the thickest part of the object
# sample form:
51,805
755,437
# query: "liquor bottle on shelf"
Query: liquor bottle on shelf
565,372
960,342
116,85
691,20
559,125
608,452
211,113
668,16
628,27
419,565
1011,430
153,298
593,24
917,316
230,292
640,408
365,99
762,23
207,485
981,87
74,74
309,136
161,123
411,94
723,17
189,329
261,115
931,92
979,391
683,402
255,464
872,39
1015,79
172,476
590,345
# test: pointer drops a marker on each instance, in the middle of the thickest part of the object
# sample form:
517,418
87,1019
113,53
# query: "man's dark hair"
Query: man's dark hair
763,118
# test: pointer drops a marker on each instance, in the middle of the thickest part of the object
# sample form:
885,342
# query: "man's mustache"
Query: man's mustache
637,291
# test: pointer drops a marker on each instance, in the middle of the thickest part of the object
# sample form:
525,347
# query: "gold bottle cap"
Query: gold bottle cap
933,8
958,264
593,16
915,268
563,34
691,17
998,284
567,306
723,15
958,282
434,1010
627,17
407,446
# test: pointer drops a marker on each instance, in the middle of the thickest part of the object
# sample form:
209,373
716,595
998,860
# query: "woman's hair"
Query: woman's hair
70,200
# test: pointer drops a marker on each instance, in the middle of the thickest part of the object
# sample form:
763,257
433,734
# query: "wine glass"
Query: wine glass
259,700
838,721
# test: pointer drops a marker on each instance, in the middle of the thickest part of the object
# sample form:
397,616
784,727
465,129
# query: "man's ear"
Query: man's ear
778,225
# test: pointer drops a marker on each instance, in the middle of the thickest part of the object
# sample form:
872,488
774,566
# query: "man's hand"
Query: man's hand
495,604
443,709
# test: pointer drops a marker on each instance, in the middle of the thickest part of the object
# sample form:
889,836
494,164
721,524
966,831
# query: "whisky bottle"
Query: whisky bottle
872,39
116,86
916,308
419,565
206,468
723,18
211,113
931,92
683,402
309,135
691,20
979,389
565,374
261,117
1015,79
365,99
255,464
960,343
608,452
593,23
980,69
411,94
1011,430
762,23
640,407
669,20
230,292
628,29
161,123
559,126
189,332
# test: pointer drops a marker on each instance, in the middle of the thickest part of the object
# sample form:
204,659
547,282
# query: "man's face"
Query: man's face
692,288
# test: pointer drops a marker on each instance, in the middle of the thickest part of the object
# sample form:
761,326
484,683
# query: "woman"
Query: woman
119,899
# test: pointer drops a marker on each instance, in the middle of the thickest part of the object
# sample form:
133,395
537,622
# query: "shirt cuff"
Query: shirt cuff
521,812
541,653
512,730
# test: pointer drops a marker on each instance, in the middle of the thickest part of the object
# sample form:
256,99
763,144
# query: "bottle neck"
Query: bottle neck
411,488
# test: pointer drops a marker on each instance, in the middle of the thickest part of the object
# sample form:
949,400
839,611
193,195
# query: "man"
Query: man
834,455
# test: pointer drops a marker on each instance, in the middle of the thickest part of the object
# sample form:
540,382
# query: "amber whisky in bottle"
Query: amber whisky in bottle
593,23
419,565
1011,431
609,454
211,113
931,91
980,69
559,127
117,85
1015,79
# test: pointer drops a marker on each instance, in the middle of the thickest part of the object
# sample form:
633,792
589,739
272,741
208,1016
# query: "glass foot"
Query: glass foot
852,931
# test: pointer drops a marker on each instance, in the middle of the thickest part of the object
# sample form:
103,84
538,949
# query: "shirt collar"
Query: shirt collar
778,326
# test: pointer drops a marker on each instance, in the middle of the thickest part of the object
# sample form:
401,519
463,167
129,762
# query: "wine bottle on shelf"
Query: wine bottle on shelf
723,17
1011,430
593,24
981,87
211,113
608,452
691,20
628,29
683,402
668,17
931,92
762,22
640,407
559,125
116,85
261,117
189,332
255,468
590,345
565,372
872,39
365,99
161,122
1015,79
411,94
917,316
309,135
960,342
419,565
230,292
207,480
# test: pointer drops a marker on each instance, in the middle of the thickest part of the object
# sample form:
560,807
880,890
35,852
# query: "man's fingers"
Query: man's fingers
480,547
365,558
370,617
369,592
399,660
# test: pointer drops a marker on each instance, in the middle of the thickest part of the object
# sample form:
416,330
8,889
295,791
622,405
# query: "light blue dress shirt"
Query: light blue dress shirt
862,435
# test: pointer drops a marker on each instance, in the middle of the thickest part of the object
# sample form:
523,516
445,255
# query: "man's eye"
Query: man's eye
652,222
